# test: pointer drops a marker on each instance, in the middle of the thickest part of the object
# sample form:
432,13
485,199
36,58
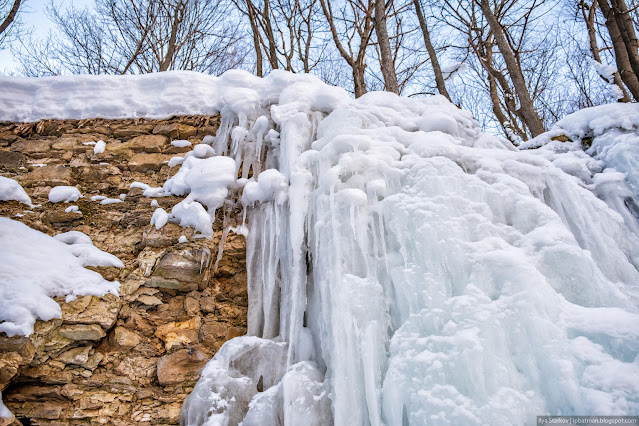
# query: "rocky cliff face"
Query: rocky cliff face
131,359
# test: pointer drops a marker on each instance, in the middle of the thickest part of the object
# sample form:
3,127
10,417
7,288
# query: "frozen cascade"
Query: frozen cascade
406,268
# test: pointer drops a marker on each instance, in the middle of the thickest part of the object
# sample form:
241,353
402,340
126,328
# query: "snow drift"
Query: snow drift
404,267
36,268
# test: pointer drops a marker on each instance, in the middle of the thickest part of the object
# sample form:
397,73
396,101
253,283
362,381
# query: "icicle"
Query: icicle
220,248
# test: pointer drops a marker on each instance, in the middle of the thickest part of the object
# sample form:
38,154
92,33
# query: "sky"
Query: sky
34,17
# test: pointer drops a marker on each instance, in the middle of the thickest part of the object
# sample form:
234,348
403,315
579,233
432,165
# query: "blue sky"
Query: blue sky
34,17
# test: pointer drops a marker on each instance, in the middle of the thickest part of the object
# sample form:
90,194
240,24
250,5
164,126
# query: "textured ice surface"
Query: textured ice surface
36,267
431,273
404,267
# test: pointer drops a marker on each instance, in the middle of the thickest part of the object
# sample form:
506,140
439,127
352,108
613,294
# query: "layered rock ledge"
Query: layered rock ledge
132,359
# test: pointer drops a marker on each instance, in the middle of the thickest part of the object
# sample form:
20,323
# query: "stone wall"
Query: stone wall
132,359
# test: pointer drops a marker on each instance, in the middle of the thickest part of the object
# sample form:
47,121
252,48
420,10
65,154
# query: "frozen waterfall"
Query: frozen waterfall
407,269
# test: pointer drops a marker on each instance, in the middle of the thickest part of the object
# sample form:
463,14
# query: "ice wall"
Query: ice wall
406,268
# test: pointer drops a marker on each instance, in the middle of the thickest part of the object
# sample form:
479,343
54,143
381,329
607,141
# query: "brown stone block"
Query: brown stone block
47,176
31,147
11,159
146,143
179,334
145,163
81,331
182,366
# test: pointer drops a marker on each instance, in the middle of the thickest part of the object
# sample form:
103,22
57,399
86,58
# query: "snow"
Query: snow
450,71
106,201
99,147
154,203
74,209
35,268
4,411
12,190
65,194
206,180
607,72
403,266
270,185
183,239
181,143
160,218
98,198
73,237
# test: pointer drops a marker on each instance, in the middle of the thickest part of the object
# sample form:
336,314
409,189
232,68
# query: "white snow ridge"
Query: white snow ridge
404,267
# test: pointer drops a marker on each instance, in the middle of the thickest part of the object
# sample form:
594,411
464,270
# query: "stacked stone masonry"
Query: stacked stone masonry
132,359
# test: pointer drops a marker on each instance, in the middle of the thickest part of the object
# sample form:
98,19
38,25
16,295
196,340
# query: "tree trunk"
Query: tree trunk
626,26
594,49
170,51
387,63
250,9
439,77
526,106
621,53
268,29
358,80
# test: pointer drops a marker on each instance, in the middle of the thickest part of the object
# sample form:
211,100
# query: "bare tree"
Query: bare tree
527,108
432,53
387,62
356,18
589,13
284,31
122,36
624,41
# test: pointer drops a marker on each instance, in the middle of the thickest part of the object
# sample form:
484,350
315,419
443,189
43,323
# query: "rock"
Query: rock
55,342
148,300
212,332
124,338
81,331
11,160
146,143
37,410
31,147
131,130
187,265
180,367
59,217
47,176
138,369
9,365
191,306
99,173
75,356
99,310
167,236
19,344
175,130
113,379
146,163
179,334
207,304
169,413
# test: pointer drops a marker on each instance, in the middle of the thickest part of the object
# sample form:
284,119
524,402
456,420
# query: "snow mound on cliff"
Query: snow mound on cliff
35,268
